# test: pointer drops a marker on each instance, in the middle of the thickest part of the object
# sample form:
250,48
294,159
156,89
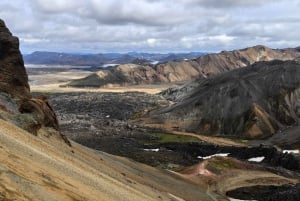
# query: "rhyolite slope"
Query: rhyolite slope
180,71
42,167
256,101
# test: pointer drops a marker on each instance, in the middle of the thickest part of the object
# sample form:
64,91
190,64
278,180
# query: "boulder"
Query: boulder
13,77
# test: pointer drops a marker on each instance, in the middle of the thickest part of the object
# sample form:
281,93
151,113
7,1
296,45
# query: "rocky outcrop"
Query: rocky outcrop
16,103
13,77
253,102
204,66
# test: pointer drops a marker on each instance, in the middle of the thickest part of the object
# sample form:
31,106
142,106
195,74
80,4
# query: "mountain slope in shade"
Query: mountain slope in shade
256,101
204,66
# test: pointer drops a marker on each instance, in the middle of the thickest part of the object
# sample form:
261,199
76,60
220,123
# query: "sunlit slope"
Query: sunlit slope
44,168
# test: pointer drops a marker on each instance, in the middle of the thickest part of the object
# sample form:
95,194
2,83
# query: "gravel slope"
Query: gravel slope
44,168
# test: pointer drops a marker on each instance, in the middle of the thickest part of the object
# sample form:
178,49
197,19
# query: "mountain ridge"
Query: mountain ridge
99,59
173,72
39,163
251,102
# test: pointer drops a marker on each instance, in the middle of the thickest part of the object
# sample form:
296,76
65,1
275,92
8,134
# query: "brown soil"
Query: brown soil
43,168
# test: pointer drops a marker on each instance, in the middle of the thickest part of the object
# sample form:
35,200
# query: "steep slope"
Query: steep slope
255,101
43,168
204,66
16,103
38,163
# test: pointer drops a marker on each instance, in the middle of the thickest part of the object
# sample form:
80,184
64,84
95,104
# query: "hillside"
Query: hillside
252,102
39,163
172,71
43,168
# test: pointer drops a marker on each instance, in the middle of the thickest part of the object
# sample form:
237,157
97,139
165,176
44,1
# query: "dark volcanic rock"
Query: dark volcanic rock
86,114
268,193
252,102
102,121
16,102
13,77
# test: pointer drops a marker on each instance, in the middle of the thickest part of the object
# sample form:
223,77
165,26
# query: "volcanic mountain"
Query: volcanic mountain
37,162
203,66
252,102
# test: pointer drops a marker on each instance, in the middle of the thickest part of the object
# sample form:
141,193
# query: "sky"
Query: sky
96,26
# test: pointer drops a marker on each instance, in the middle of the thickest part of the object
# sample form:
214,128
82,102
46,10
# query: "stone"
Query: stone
16,102
13,77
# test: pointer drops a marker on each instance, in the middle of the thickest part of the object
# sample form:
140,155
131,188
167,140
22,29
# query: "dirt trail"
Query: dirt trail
210,139
213,140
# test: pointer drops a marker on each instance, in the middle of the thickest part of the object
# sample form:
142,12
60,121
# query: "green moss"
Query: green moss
219,166
244,141
157,138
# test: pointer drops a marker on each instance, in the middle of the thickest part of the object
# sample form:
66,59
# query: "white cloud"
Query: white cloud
229,3
151,41
223,39
57,6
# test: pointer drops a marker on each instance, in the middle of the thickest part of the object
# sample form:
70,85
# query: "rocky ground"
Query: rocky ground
268,193
44,165
103,121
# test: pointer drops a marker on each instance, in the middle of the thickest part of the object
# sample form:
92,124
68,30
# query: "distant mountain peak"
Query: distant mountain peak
187,69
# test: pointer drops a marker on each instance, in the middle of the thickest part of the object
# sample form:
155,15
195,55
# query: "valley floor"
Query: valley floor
102,119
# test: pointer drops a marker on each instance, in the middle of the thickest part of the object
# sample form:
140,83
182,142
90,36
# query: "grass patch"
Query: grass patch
244,141
218,166
157,138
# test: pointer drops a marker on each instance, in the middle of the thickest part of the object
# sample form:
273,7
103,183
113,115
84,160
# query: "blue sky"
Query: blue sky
93,26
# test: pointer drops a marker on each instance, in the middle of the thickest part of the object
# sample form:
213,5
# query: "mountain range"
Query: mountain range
181,71
254,102
98,60
246,93
39,163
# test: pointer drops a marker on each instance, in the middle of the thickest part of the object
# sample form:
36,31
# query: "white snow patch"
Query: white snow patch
175,197
257,159
296,151
154,62
109,65
214,155
154,150
233,199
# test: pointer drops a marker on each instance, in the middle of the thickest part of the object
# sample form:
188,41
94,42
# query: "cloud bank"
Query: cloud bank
151,25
